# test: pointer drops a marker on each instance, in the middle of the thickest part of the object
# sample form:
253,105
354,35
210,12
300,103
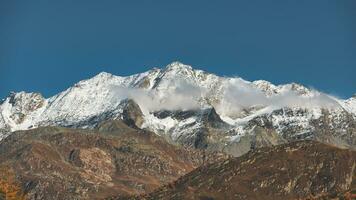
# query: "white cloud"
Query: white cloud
238,95
183,96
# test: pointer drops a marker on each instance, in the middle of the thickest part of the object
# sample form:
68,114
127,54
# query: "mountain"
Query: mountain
298,170
111,160
192,108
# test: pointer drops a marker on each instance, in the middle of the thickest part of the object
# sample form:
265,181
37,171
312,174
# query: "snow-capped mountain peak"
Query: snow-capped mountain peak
350,104
172,100
20,110
266,86
177,67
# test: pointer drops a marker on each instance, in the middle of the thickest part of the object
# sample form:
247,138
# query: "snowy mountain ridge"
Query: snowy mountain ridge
178,102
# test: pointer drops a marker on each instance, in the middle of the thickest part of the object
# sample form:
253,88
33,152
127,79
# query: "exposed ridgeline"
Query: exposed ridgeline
193,108
298,170
111,160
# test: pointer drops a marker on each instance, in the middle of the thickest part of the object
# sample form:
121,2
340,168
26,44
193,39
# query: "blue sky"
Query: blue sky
47,46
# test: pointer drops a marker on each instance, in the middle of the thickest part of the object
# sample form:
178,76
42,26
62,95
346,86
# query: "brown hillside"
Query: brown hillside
299,170
113,160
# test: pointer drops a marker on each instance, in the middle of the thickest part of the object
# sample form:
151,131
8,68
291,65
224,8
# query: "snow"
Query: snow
154,123
93,97
245,120
349,104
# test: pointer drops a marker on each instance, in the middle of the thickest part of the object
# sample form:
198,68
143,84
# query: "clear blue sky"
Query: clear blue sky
46,46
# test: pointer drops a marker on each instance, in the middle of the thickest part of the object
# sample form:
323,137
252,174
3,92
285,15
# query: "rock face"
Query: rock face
101,139
299,170
111,160
192,108
132,114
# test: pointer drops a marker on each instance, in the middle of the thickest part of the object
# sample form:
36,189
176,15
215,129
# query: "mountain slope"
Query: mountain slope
299,170
112,160
174,102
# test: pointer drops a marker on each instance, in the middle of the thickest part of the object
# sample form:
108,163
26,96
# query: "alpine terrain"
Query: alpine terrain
298,170
192,108
111,160
178,133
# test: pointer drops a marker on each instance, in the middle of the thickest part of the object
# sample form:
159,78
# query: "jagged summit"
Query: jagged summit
175,72
97,79
266,86
103,75
284,111
176,65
